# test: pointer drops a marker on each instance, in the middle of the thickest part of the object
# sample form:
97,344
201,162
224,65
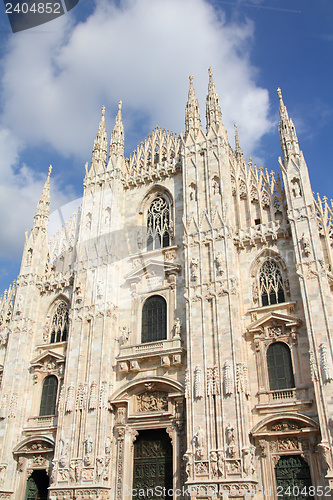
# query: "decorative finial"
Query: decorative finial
191,79
50,170
210,72
103,111
279,93
120,105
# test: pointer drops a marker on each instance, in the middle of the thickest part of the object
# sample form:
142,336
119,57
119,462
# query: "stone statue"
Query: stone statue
177,328
199,437
88,445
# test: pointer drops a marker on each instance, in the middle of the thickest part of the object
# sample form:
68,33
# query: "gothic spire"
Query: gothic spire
43,208
117,144
100,148
288,137
213,109
238,149
192,115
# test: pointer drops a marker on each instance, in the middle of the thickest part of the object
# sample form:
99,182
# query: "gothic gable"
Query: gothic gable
151,268
48,362
271,320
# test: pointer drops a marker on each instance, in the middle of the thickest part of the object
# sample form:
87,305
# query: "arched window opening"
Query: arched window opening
158,224
271,284
280,370
154,319
59,326
49,396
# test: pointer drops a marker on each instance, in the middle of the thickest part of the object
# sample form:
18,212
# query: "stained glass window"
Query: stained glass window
59,326
158,224
271,283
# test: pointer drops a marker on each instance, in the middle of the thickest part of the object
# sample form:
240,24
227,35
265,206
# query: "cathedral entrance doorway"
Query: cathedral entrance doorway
37,486
152,468
293,477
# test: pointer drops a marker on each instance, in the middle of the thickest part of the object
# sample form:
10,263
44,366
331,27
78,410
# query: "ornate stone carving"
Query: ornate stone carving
325,455
228,382
220,264
121,415
194,266
4,334
103,395
216,185
87,474
263,447
81,397
177,328
88,448
75,470
212,381
198,389
4,406
3,469
287,444
152,401
120,463
13,406
230,439
189,464
93,396
125,335
233,466
63,475
38,461
70,398
248,461
107,447
199,442
63,452
187,384
220,464
326,364
296,190
213,463
201,468
53,471
306,245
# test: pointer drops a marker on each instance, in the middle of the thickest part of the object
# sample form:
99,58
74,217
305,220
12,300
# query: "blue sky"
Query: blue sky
55,79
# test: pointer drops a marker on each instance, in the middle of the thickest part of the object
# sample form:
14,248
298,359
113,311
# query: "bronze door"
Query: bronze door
293,478
152,468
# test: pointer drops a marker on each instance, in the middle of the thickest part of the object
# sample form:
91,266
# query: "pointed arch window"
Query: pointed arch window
154,319
59,325
49,396
280,369
271,283
158,224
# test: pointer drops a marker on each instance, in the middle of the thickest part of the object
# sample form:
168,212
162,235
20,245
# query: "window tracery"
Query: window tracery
59,325
158,224
271,288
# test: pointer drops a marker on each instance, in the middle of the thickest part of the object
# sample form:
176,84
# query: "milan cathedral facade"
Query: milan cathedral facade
175,338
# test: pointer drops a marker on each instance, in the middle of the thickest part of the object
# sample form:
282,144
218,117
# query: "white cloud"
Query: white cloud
56,77
20,189
142,53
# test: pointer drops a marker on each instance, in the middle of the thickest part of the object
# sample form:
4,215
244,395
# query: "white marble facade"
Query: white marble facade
236,261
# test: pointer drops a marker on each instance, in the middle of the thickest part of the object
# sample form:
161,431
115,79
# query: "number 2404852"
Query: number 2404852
35,8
